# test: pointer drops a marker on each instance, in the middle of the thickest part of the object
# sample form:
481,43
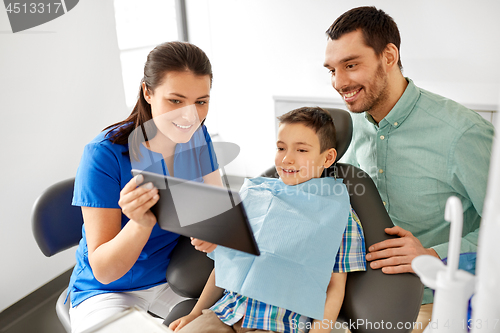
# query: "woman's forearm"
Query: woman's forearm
113,250
114,258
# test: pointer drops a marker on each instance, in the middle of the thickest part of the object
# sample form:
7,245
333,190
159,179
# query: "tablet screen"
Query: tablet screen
206,212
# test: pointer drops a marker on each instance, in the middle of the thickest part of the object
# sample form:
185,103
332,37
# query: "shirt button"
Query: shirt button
384,203
382,137
396,124
380,171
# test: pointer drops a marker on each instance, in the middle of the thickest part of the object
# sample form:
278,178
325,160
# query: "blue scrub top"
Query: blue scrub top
105,168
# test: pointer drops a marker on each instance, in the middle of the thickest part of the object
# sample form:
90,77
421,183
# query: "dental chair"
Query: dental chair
371,296
57,226
373,302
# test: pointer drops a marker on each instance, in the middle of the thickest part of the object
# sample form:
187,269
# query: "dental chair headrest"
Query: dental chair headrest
343,128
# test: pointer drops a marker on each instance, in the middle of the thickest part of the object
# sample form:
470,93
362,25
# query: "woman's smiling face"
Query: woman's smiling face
179,104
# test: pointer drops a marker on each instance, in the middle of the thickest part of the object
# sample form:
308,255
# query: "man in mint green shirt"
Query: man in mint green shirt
419,148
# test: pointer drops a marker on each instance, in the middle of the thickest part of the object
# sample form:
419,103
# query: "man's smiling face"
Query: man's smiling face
357,73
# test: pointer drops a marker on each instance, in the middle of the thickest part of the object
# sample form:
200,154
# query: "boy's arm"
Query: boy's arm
334,298
210,294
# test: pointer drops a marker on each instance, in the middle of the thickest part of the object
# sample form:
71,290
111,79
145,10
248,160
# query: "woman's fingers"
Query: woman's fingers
135,201
131,192
140,200
137,197
132,184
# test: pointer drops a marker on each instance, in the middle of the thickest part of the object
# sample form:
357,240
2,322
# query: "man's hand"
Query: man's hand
202,245
394,256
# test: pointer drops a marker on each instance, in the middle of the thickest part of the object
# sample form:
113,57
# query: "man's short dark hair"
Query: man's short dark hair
379,29
320,121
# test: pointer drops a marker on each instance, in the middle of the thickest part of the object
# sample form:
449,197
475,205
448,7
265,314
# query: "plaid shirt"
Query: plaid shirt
232,307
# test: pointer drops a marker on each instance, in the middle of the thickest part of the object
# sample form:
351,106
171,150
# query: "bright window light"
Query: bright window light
140,26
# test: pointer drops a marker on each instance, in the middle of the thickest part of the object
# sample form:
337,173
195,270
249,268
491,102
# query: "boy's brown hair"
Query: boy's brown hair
318,120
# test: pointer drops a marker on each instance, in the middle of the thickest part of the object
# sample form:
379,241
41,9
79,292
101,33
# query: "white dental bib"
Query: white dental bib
298,230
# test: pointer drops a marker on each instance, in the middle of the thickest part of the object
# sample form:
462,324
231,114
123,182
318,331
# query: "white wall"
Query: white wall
60,85
265,48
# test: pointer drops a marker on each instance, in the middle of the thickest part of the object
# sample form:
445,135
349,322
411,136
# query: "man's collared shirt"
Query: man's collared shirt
425,150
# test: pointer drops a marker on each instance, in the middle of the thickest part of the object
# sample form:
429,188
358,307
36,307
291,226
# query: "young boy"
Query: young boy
301,233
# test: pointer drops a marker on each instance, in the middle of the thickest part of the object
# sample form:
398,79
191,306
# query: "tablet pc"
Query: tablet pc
193,209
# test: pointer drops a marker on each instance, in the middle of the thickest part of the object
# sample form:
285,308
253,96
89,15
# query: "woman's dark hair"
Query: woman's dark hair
166,57
319,120
379,29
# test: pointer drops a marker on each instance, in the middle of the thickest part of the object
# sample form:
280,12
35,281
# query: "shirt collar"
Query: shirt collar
403,107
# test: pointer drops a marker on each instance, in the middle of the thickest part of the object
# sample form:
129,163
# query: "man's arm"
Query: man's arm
334,298
469,164
468,174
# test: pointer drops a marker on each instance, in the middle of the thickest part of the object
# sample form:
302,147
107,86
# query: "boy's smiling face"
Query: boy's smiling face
298,157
